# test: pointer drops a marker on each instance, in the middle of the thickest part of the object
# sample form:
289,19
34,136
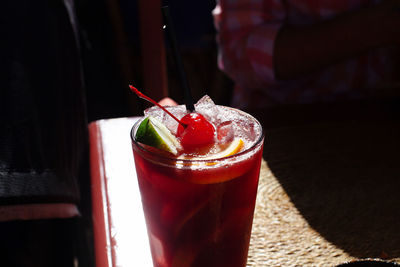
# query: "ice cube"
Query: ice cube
154,112
225,132
171,123
165,118
207,108
237,123
205,101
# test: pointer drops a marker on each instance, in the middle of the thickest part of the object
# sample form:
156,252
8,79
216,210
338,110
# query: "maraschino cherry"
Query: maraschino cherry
198,132
194,131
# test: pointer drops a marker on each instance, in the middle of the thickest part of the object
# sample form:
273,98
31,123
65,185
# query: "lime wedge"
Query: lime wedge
154,133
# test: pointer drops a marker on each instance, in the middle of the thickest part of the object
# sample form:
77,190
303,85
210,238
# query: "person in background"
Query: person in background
285,51
43,138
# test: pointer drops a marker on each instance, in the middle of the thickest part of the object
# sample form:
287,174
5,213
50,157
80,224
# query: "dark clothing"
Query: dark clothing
43,139
42,110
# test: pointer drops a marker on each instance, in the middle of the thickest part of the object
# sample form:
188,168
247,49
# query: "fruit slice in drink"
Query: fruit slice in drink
153,133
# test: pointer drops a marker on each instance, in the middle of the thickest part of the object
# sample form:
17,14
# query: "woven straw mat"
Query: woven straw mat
328,194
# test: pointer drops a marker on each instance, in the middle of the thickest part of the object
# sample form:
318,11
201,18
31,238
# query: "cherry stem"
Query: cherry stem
141,95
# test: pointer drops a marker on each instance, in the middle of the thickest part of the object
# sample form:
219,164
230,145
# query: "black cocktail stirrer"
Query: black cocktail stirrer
178,60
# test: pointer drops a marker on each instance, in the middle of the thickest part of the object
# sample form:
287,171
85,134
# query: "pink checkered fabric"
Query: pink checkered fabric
246,35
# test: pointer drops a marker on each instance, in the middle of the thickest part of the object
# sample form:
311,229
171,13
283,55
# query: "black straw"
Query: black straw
178,60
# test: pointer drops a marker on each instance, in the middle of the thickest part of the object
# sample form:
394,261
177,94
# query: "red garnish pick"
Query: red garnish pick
199,132
139,94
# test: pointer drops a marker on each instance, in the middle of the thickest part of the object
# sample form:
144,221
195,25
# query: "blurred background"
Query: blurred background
112,55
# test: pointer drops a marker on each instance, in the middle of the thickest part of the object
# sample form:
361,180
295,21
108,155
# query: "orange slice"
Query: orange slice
234,147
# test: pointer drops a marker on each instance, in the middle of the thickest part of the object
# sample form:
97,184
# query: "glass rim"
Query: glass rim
163,157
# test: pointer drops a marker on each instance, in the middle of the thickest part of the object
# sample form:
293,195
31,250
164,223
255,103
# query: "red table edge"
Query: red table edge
100,213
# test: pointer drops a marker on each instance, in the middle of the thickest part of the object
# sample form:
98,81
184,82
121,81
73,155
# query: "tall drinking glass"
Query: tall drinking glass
199,212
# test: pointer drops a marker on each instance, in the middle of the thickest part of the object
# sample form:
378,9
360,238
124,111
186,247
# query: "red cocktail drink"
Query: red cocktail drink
199,211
